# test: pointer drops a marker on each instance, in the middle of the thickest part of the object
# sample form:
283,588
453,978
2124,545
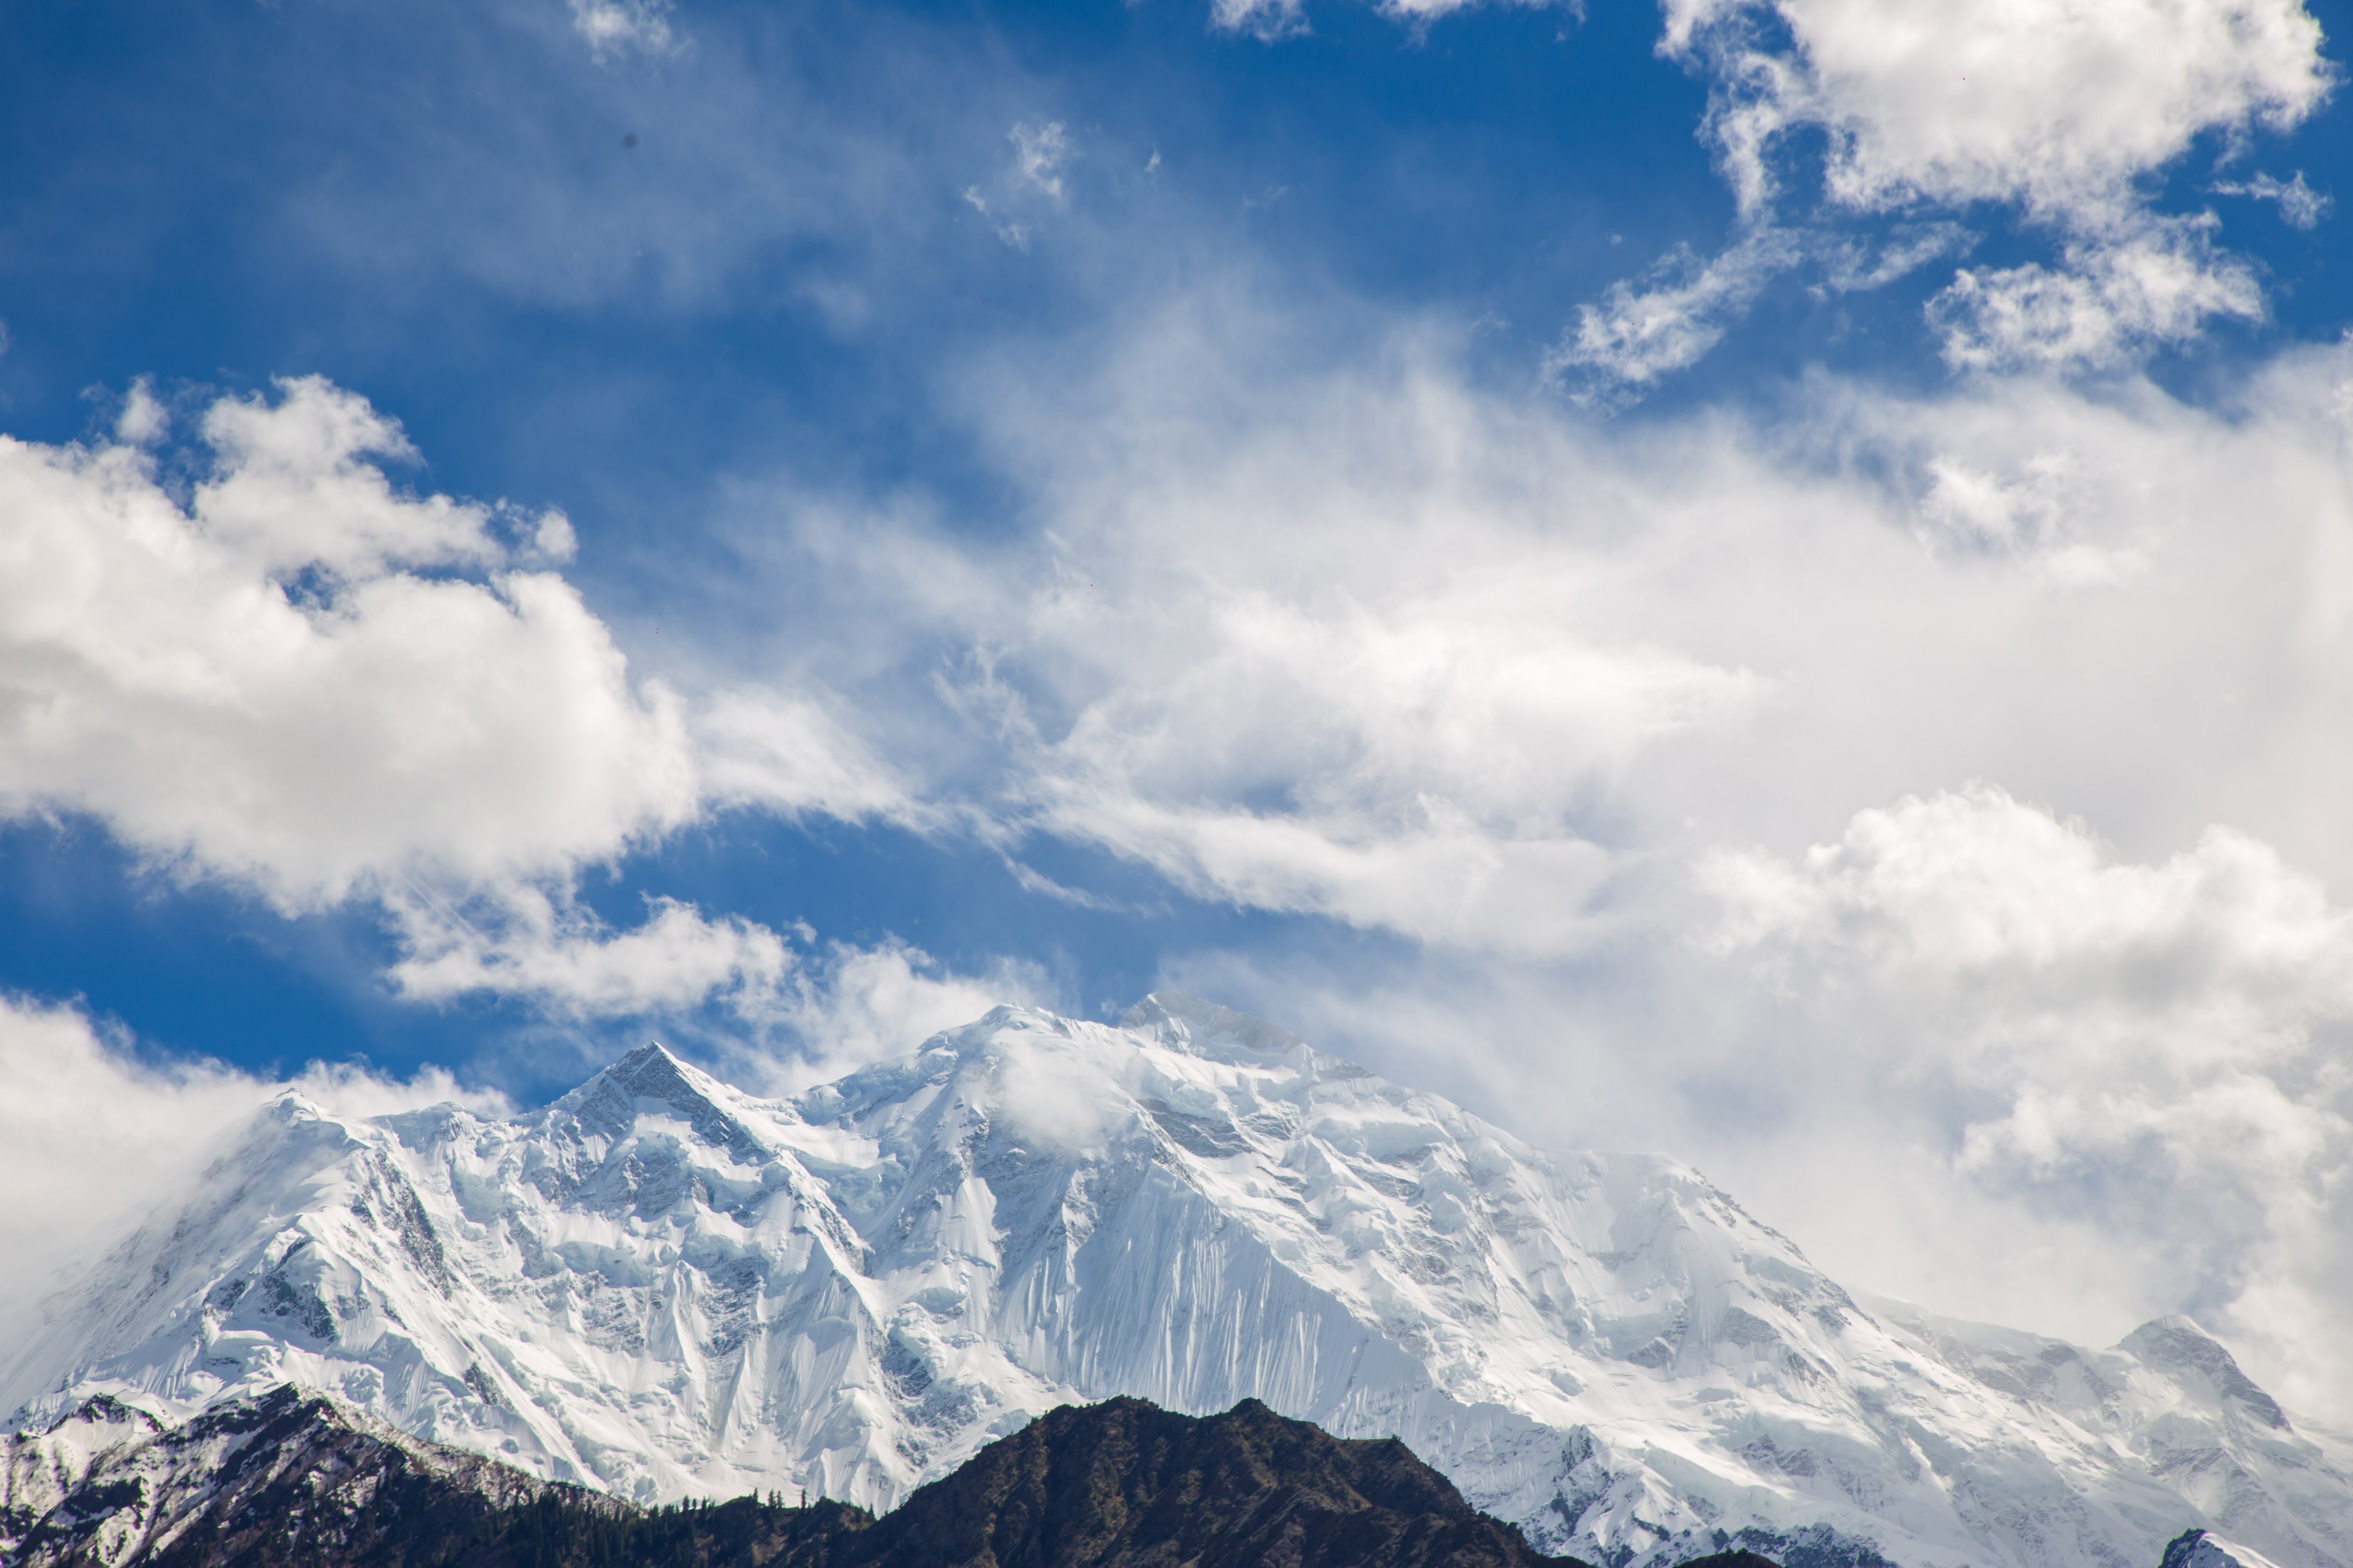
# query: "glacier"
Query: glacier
659,1286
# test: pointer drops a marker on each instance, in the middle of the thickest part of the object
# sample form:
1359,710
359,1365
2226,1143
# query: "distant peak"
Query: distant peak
610,1100
651,1052
1186,1021
652,1071
2176,1345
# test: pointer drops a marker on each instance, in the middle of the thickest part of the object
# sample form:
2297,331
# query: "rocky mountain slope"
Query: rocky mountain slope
294,1481
105,1484
658,1286
1125,1483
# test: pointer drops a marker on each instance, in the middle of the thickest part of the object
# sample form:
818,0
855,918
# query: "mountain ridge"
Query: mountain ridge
294,1481
658,1285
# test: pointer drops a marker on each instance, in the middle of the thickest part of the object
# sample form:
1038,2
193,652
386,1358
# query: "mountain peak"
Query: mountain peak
1127,1481
661,1287
2179,1345
1186,1023
651,1078
284,1477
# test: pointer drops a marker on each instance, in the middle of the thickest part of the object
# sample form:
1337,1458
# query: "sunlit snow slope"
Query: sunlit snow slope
660,1286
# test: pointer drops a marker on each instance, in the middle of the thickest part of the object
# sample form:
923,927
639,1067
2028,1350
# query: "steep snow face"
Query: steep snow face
660,1286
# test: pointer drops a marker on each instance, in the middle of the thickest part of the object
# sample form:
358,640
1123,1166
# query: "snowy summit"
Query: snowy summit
659,1286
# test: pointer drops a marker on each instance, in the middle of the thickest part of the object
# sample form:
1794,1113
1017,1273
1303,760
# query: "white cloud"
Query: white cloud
1335,594
849,1005
1335,654
2156,1046
143,420
1438,877
1016,235
797,1012
2108,303
309,682
1371,646
1272,19
615,26
1266,19
522,943
1366,642
2057,108
784,752
2300,205
261,685
2057,105
1639,334
1040,153
1030,184
1420,756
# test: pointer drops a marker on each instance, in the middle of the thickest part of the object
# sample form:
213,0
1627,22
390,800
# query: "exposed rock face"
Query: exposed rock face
291,1481
286,1476
2203,1549
1127,1485
661,1287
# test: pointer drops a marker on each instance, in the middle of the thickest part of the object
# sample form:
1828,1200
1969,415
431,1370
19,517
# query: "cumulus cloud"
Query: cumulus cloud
2058,109
1380,647
2108,301
287,682
305,679
2158,1046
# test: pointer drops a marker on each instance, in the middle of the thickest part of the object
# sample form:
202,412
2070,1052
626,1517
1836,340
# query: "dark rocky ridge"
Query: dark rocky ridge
288,1478
290,1481
1125,1484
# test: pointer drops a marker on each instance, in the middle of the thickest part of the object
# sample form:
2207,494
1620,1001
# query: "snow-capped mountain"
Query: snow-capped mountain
108,1484
660,1286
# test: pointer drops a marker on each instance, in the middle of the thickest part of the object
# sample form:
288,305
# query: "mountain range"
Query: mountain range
659,1287
287,1479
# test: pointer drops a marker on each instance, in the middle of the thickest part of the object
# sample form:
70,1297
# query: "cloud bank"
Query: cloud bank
1565,707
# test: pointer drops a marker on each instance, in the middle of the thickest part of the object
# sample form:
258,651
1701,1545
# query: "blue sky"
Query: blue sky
1748,576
